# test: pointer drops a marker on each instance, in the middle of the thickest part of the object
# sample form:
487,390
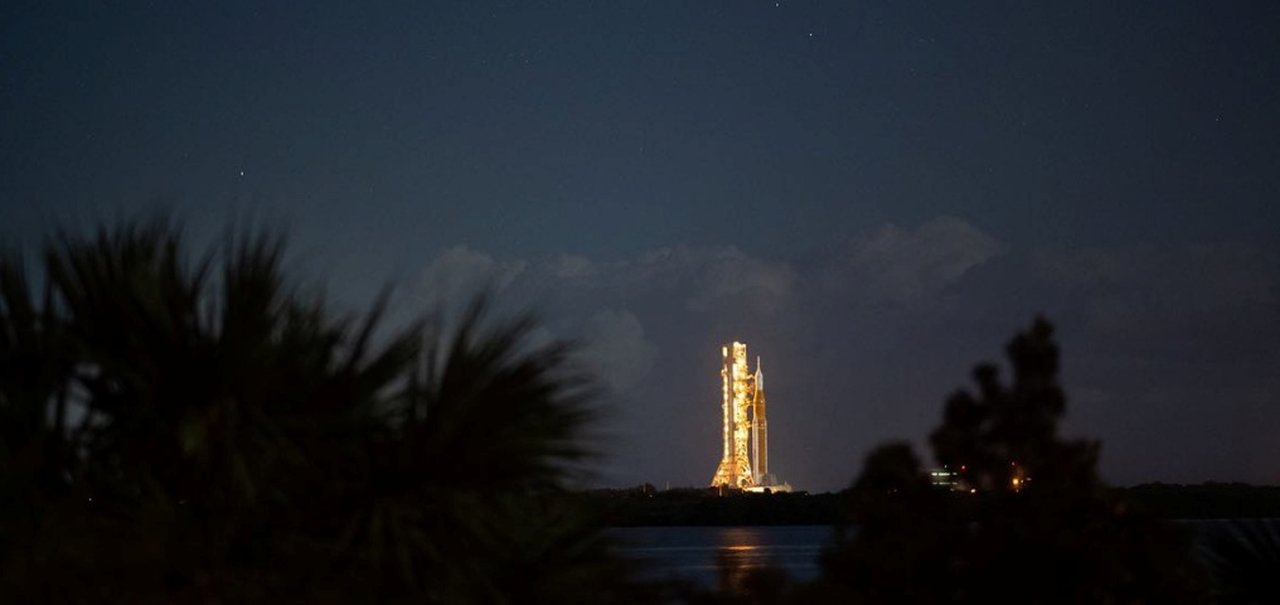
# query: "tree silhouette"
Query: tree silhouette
180,431
1032,522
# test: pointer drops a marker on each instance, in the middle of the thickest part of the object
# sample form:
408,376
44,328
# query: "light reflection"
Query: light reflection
741,562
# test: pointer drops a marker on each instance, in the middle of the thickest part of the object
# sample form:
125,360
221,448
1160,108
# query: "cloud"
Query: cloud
569,266
702,279
459,273
708,279
615,347
900,266
1162,345
730,277
1185,302
1204,277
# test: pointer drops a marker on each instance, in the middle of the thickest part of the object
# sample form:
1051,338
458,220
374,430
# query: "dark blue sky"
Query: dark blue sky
873,195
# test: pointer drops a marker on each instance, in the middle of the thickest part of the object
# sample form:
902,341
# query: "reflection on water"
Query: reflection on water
737,561
729,558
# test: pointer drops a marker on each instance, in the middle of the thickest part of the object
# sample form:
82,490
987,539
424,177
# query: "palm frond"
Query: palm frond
1243,559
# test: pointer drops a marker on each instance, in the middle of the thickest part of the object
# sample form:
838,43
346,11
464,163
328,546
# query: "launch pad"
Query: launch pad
744,463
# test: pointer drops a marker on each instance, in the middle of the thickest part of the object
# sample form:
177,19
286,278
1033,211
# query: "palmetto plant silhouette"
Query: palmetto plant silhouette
1243,558
177,429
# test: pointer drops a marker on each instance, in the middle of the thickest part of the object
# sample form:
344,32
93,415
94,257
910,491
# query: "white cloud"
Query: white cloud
460,273
569,266
1193,302
900,265
615,347
1205,277
730,277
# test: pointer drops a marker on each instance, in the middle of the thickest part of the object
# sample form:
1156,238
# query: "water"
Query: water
724,556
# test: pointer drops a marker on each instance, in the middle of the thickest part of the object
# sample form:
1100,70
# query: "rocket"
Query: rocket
744,460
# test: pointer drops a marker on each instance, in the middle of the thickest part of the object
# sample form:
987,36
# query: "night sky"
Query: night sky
873,196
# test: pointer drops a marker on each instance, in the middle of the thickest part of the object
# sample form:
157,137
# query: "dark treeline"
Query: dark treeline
1212,500
646,506
199,428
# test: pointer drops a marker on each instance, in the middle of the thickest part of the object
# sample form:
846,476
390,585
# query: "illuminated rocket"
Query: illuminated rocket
744,462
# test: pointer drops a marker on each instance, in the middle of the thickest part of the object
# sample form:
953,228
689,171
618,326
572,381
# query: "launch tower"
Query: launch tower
744,461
